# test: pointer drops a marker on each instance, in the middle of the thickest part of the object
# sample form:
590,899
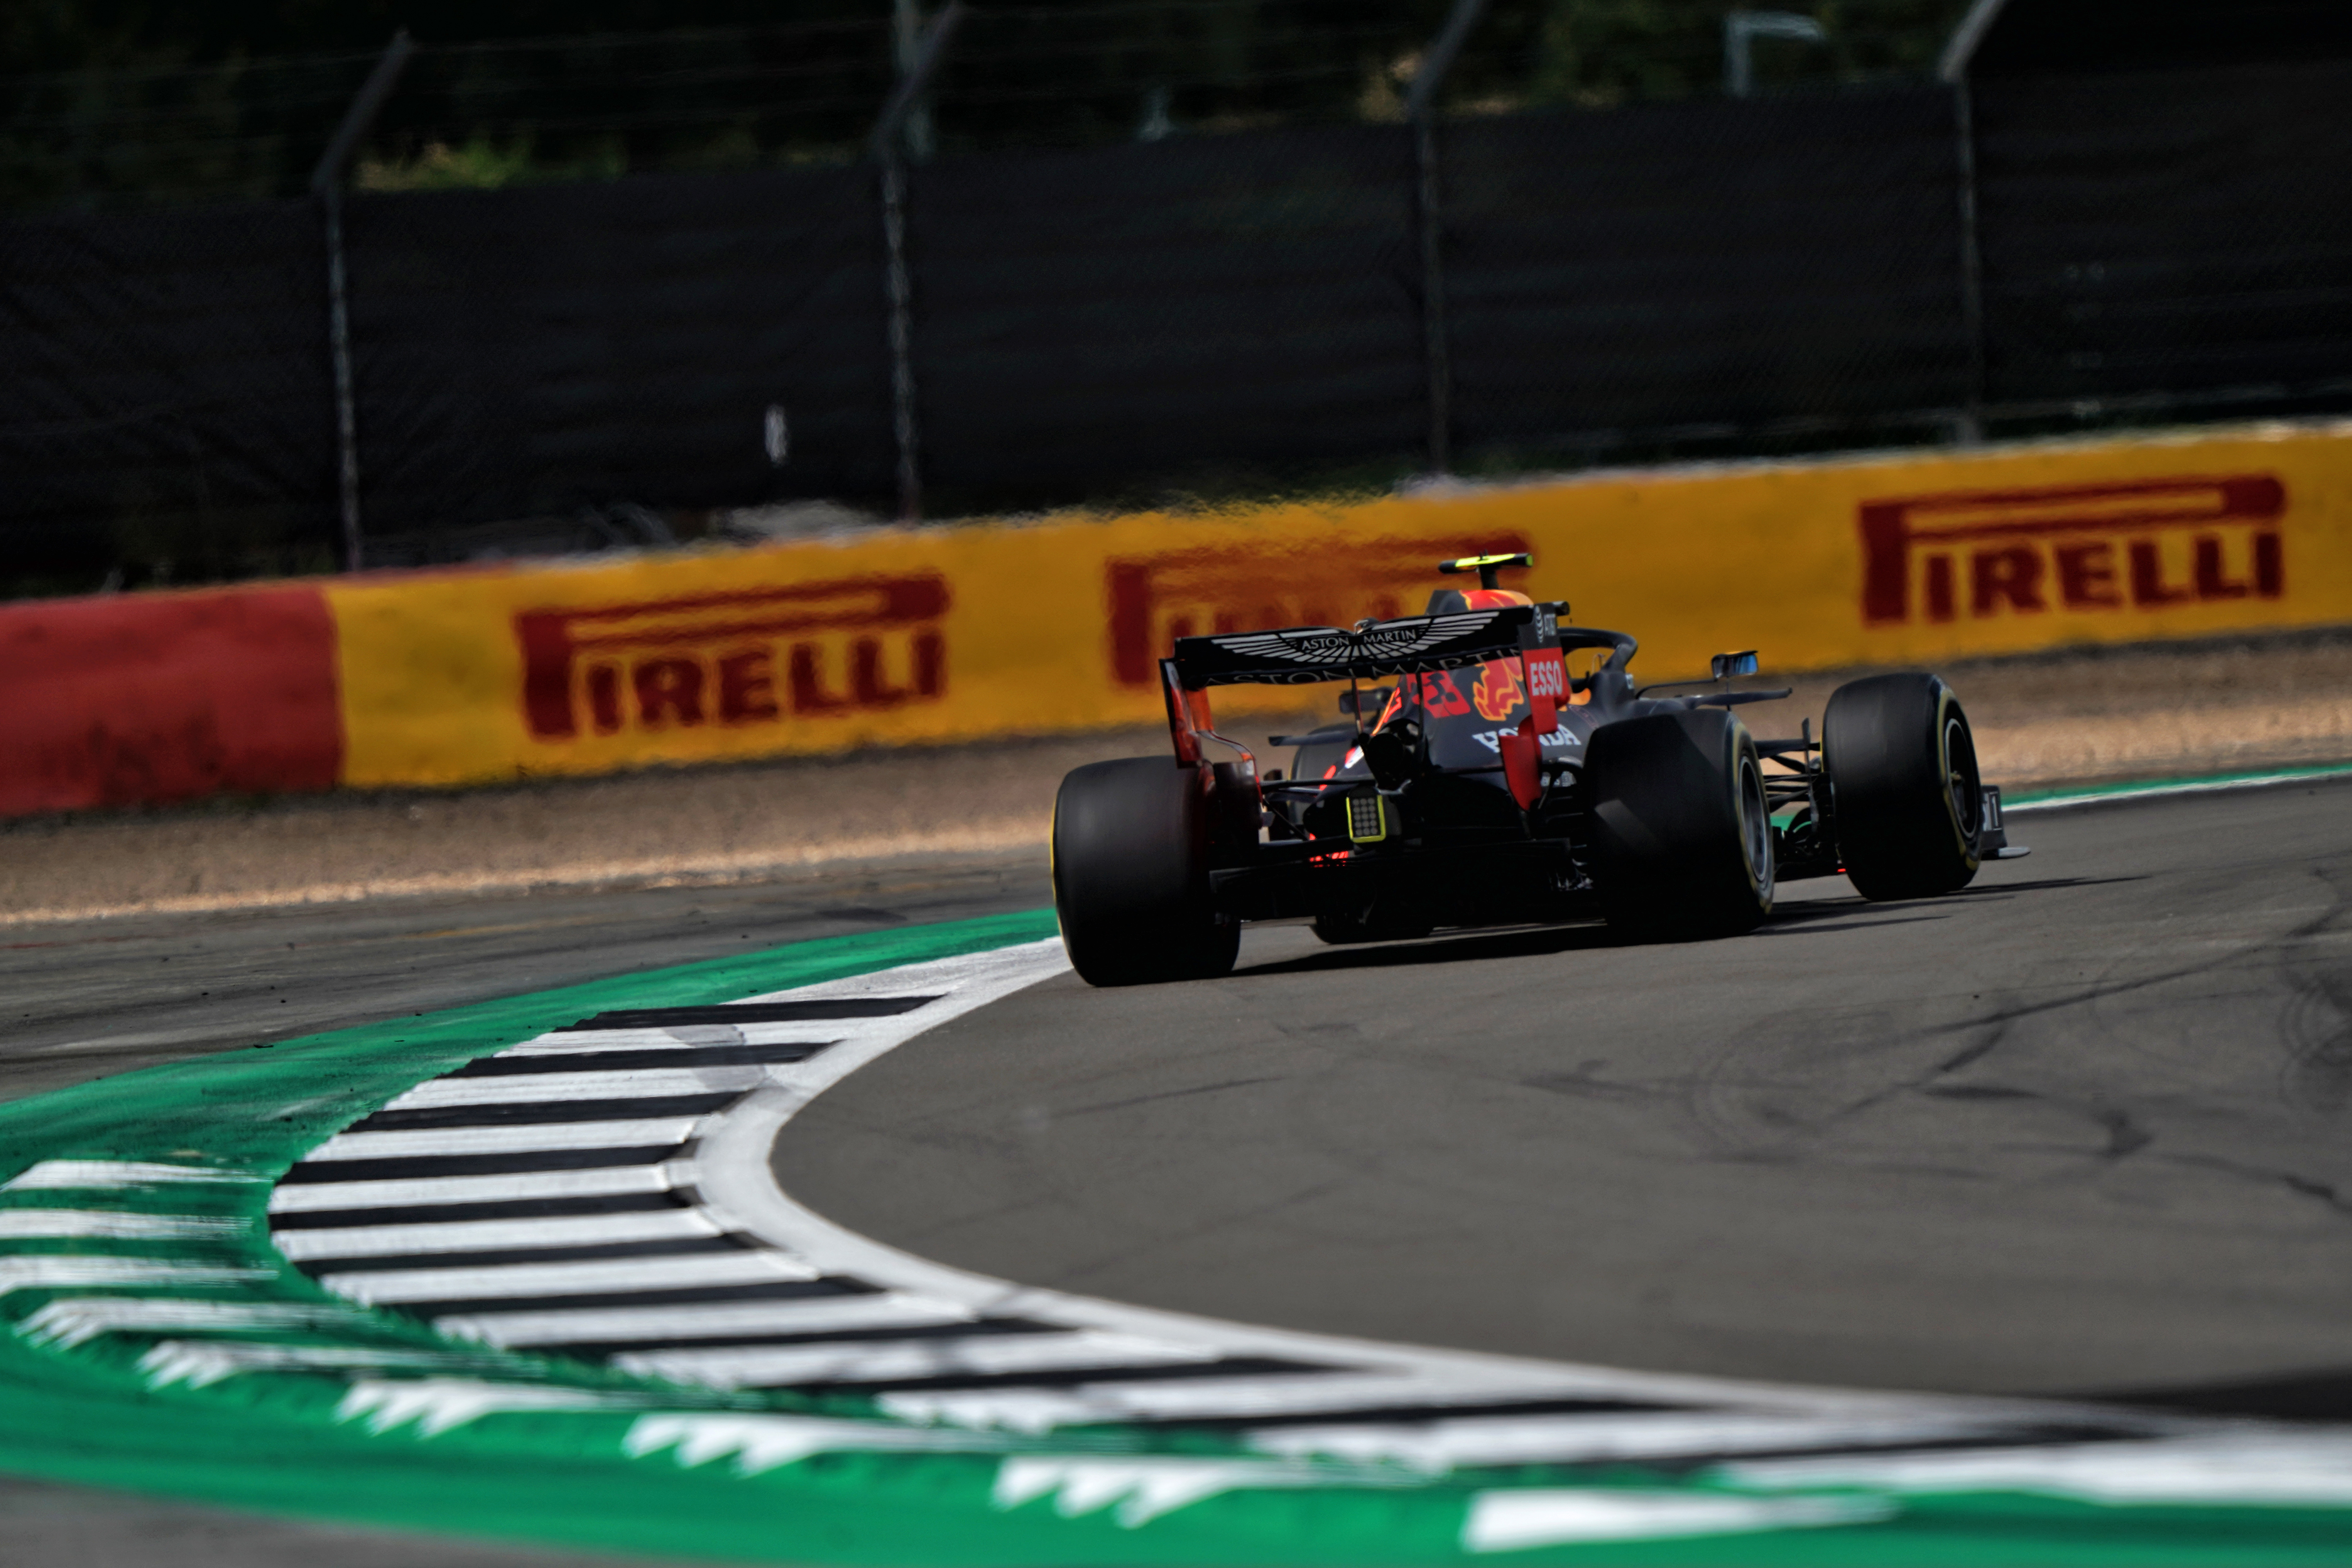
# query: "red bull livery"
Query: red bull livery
1477,778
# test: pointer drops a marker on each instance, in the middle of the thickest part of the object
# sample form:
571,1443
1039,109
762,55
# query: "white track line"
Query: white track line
1238,1399
603,1181
2185,786
685,1037
491,1234
1449,1443
112,1225
555,1087
427,1141
200,1363
101,1271
111,1174
390,1287
874,1361
71,1319
2280,1466
711,1321
1516,1519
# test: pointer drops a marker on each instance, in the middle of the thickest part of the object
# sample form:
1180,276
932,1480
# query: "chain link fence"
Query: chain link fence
1780,273
2169,244
532,351
164,396
482,115
1083,73
1155,247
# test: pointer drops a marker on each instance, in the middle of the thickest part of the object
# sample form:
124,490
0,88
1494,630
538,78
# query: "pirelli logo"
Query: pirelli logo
2143,545
753,658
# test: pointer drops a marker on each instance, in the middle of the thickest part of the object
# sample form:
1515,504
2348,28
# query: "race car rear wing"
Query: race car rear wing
1306,656
1300,655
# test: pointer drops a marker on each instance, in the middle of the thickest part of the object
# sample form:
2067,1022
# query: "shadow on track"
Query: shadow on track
1814,911
1994,889
1535,941
2304,1396
1807,924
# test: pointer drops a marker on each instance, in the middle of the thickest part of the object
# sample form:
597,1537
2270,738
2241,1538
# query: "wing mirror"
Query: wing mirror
1729,665
1364,704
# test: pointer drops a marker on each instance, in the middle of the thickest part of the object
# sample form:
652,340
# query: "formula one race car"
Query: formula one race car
1491,786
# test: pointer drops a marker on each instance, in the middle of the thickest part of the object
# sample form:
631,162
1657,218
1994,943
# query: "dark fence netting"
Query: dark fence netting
1709,268
532,351
1209,312
2178,239
1158,311
164,396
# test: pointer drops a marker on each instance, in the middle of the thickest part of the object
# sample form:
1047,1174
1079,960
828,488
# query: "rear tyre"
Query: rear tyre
1131,875
1902,766
1682,833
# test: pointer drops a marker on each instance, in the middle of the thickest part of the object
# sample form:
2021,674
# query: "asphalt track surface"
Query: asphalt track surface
88,998
2081,1128
2077,1129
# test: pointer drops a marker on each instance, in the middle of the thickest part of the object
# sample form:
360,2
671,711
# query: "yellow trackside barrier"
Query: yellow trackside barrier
948,634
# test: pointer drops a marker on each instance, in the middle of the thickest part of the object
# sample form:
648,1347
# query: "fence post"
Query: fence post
1420,108
906,47
327,184
1958,53
1740,31
1970,426
887,150
900,285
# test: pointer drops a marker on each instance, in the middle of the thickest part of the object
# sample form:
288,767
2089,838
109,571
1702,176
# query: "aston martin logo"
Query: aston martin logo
1329,645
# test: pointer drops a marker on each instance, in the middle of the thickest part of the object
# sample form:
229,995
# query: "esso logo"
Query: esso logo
1546,677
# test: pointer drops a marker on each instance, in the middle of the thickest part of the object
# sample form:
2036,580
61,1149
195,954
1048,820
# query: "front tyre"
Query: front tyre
1682,832
1131,875
1902,766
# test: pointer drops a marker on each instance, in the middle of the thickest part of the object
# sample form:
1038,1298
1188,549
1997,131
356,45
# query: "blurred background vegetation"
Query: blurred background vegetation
106,102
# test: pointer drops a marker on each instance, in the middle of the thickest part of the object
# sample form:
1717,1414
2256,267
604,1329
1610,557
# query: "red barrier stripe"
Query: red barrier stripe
142,699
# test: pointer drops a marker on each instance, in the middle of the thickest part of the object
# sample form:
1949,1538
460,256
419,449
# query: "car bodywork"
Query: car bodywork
1455,794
